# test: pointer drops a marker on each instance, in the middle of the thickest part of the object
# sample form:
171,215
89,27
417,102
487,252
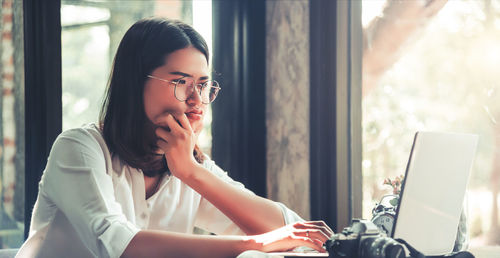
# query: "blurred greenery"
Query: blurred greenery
84,76
88,49
445,80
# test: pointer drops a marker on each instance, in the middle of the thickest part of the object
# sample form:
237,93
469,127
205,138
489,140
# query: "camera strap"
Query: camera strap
414,253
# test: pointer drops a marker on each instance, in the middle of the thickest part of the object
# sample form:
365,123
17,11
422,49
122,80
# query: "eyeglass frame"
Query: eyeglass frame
174,82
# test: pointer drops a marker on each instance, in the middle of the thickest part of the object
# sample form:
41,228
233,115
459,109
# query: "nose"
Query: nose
195,98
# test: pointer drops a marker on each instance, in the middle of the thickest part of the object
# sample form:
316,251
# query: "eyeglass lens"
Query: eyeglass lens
207,90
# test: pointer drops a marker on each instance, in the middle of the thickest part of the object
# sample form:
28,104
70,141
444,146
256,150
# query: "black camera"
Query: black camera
363,239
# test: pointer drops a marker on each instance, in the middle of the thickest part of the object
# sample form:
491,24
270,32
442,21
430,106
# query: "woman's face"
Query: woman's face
159,97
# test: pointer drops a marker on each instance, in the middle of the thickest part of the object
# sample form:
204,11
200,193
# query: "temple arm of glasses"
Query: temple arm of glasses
154,77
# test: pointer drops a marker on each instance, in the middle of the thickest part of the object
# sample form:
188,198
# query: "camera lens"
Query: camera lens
394,251
381,247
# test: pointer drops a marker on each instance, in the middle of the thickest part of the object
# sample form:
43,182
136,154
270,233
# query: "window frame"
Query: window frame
335,135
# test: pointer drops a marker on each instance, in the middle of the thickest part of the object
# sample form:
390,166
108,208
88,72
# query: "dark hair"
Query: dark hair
123,121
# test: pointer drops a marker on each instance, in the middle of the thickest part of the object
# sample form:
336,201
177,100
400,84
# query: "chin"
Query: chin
197,130
196,126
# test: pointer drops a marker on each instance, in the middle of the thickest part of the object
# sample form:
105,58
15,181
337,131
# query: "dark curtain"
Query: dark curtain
238,124
43,110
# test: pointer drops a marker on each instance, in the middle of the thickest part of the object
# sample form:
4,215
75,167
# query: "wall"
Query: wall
11,124
287,103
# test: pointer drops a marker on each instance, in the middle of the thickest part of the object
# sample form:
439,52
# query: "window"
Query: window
433,67
91,32
11,125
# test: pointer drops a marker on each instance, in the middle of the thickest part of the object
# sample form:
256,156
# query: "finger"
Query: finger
318,234
161,120
314,228
319,243
313,234
184,122
162,144
173,124
317,224
307,224
162,133
305,241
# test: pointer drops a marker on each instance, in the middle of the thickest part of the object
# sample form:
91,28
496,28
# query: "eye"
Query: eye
180,81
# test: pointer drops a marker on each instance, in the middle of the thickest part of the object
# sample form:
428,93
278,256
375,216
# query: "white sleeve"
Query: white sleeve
76,181
213,220
289,215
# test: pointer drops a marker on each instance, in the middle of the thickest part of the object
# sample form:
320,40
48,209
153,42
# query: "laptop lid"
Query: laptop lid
433,190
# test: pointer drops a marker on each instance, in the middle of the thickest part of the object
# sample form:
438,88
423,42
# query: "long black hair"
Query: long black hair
123,121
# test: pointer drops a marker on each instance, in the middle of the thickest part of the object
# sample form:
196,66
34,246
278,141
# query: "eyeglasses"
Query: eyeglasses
184,88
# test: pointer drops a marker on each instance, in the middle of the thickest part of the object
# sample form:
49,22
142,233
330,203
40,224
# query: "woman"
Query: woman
137,184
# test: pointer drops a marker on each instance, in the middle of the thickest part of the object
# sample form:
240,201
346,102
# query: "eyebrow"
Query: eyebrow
188,75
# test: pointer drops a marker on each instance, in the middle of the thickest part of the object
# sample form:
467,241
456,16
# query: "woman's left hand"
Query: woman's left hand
177,140
312,234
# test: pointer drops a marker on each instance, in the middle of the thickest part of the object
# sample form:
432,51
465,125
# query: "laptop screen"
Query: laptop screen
433,190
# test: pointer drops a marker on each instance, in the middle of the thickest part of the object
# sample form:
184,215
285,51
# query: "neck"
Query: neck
158,167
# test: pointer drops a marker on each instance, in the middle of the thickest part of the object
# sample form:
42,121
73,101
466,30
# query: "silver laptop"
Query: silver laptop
433,191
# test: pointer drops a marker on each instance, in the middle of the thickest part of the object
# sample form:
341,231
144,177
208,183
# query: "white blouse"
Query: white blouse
91,204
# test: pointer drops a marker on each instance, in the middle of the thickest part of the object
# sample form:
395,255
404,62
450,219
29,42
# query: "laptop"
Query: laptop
433,191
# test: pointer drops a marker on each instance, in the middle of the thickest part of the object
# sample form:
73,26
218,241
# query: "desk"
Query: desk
303,255
480,252
257,254
486,252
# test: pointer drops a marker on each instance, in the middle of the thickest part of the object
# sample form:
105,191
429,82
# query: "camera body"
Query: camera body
363,239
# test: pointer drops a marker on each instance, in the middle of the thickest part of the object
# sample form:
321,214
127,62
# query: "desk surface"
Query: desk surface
257,254
479,252
486,252
290,254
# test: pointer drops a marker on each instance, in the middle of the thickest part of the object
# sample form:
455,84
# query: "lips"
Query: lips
194,114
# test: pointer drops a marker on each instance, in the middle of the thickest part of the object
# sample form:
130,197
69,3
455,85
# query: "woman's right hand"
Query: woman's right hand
177,139
312,234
